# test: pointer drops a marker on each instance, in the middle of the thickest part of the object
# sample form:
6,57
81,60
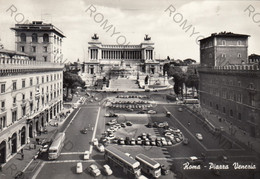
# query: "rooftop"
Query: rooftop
37,26
225,34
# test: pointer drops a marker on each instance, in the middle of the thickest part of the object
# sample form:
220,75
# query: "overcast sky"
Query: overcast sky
131,20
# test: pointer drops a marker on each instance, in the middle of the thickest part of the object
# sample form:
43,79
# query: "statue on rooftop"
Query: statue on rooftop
147,37
95,37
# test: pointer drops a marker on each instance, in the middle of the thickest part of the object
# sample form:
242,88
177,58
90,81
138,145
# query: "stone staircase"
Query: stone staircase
123,84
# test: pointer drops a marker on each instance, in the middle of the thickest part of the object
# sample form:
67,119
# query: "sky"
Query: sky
174,26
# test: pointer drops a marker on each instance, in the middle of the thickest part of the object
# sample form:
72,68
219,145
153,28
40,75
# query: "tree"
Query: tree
192,80
72,81
189,61
166,68
179,78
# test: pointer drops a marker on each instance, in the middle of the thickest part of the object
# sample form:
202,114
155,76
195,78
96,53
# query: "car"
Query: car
199,136
193,160
177,139
165,170
151,112
159,143
128,123
79,168
110,137
93,170
169,143
168,114
146,142
110,123
164,143
44,148
123,125
107,170
169,135
111,115
86,155
132,142
143,135
84,131
149,135
95,142
163,124
141,112
101,148
139,141
121,141
149,125
185,141
153,143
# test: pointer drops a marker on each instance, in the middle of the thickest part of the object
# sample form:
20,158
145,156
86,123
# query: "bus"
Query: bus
149,166
56,146
191,101
115,157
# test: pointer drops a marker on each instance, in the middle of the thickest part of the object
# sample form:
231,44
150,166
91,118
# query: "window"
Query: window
224,110
37,80
239,98
23,110
239,55
31,81
216,106
14,100
14,116
45,38
42,79
23,37
23,84
22,48
2,88
14,85
223,42
47,78
54,39
31,94
223,55
42,90
2,104
2,122
231,112
239,42
210,55
31,107
45,58
33,48
34,37
45,49
239,83
23,96
239,116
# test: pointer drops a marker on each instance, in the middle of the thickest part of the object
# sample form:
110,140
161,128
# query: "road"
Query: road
91,115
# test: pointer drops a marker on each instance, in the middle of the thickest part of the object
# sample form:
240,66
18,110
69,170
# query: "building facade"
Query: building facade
231,91
43,42
129,57
224,48
31,94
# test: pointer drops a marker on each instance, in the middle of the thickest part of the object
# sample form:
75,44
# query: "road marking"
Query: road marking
94,132
90,106
71,153
38,171
28,165
74,161
72,120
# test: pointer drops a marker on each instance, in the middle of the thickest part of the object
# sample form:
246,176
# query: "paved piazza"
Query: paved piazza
92,115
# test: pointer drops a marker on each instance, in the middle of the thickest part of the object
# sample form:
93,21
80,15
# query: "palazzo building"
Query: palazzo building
230,84
31,92
132,58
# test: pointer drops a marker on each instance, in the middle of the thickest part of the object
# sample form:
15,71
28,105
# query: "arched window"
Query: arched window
239,42
223,42
45,38
23,37
34,37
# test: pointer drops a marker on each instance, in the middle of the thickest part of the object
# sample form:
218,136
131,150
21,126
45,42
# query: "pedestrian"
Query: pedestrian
22,155
34,146
22,151
188,123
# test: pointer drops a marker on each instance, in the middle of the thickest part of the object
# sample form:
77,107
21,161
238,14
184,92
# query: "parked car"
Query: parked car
168,114
19,175
199,136
149,125
86,155
146,142
123,125
132,142
93,170
79,168
153,143
129,155
159,143
107,170
139,141
95,142
101,148
121,141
